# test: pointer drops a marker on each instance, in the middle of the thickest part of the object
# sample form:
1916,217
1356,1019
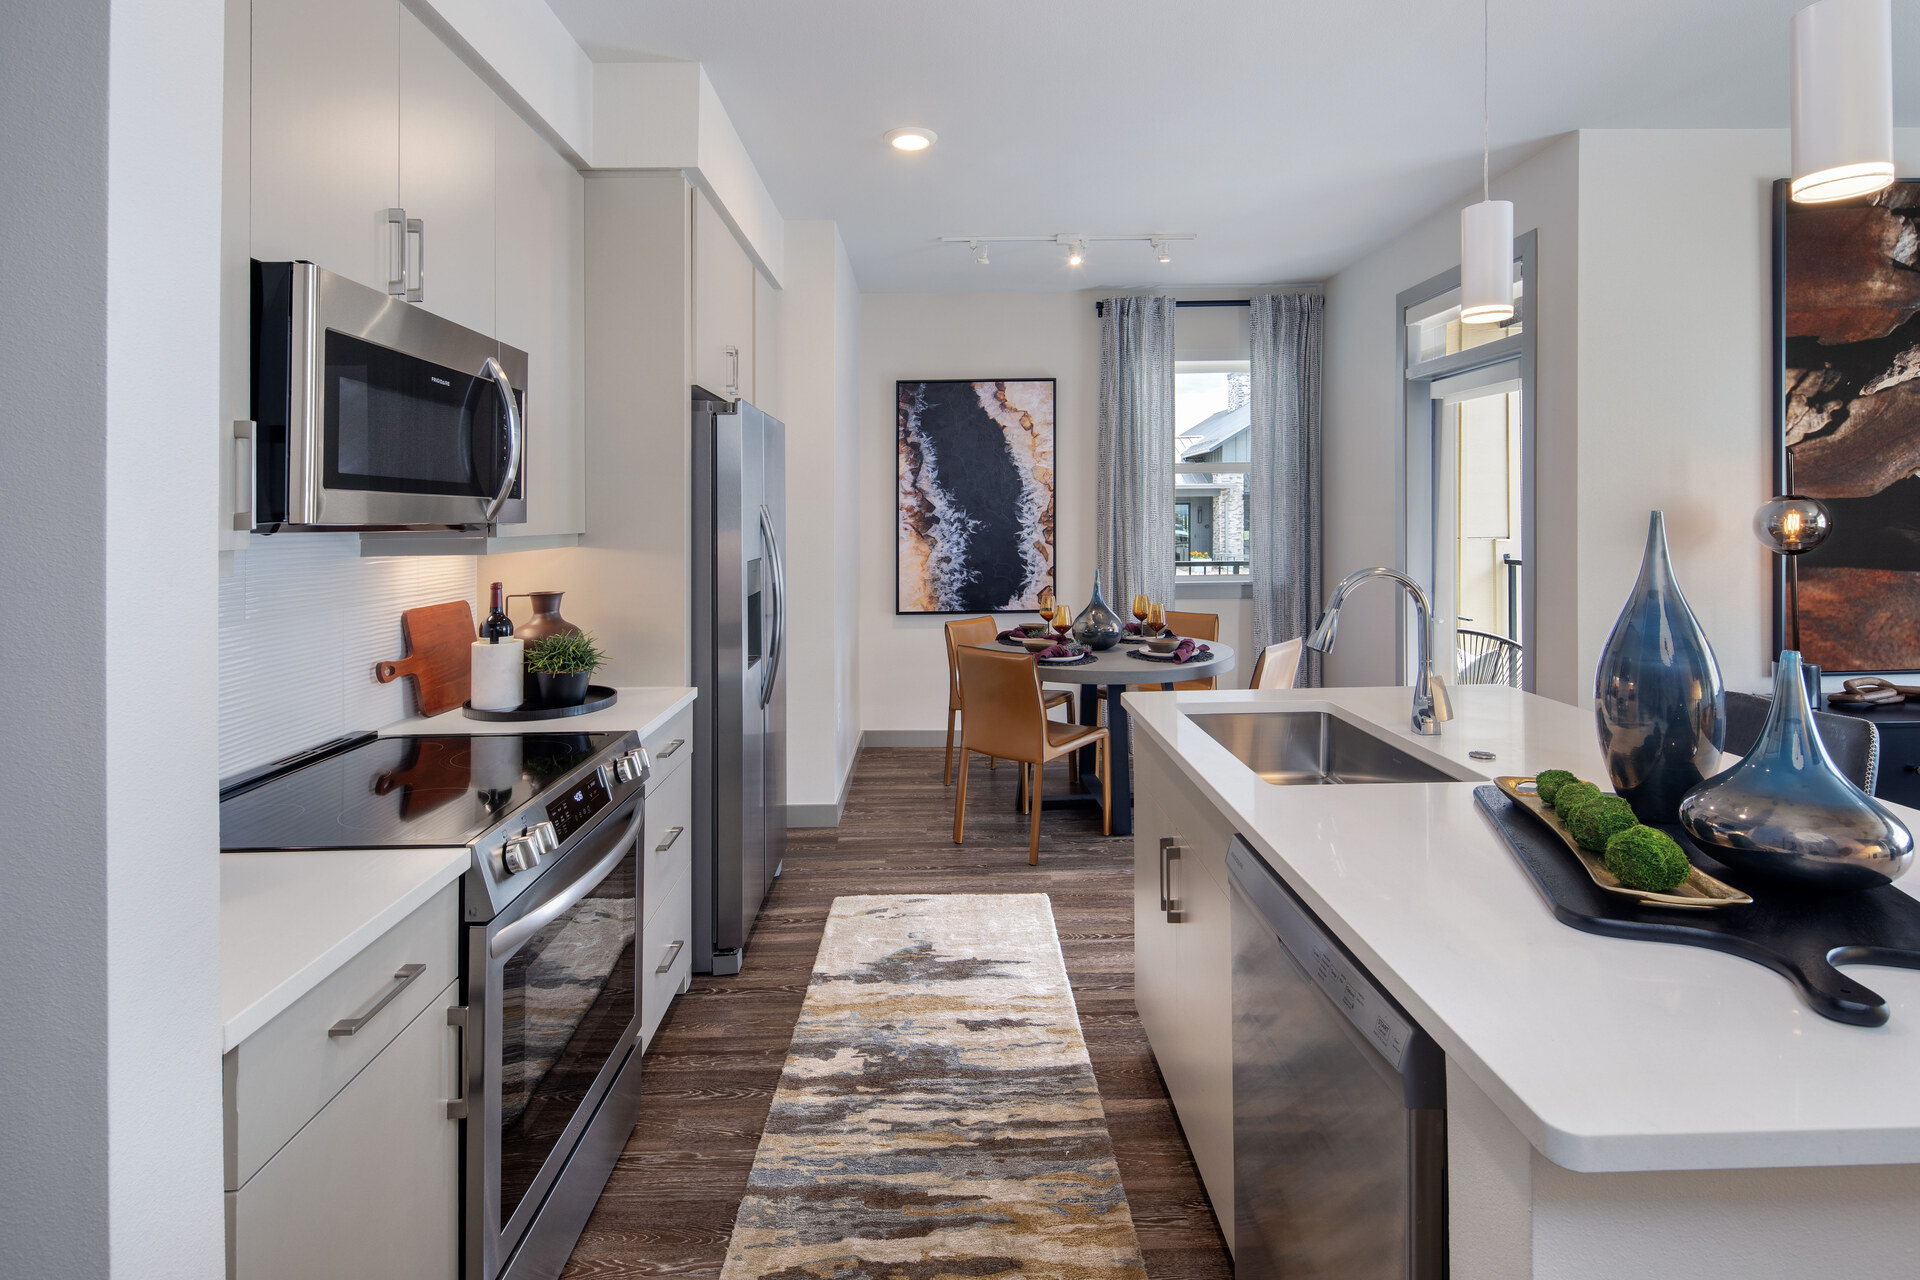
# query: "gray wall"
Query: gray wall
53,872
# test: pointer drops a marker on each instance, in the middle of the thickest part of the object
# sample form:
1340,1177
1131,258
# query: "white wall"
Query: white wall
303,620
819,318
1676,391
1365,391
903,664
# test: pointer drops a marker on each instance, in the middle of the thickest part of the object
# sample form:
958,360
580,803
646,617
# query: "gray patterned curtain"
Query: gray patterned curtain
1285,335
1135,477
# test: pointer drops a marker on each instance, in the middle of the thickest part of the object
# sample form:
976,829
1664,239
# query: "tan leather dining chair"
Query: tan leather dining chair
977,631
1200,626
1278,665
1007,718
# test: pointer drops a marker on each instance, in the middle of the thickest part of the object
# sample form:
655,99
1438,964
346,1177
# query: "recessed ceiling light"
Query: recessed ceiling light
911,139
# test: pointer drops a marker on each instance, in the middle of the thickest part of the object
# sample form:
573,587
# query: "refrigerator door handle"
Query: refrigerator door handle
777,645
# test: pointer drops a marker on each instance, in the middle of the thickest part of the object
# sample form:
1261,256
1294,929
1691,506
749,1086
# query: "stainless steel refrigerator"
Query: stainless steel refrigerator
739,664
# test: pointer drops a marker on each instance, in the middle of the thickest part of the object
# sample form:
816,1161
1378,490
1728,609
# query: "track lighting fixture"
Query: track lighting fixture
1074,243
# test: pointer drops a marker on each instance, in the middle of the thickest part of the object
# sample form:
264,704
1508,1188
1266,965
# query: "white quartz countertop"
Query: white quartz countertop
289,920
642,708
1608,1054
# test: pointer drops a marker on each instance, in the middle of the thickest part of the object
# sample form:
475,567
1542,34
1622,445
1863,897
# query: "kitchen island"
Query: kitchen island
1614,1107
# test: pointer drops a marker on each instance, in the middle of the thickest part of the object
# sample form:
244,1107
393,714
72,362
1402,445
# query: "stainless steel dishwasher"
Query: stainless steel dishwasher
1339,1103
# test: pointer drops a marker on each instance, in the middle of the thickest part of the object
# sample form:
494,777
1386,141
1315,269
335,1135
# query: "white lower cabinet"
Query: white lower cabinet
665,958
370,1187
1183,962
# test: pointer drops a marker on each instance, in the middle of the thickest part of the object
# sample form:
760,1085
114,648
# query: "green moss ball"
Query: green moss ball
1599,820
1571,795
1647,859
1551,781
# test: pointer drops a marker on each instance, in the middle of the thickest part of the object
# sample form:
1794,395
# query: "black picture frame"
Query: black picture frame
1781,631
901,454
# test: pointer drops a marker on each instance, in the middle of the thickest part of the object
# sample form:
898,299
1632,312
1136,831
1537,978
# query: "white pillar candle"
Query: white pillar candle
496,675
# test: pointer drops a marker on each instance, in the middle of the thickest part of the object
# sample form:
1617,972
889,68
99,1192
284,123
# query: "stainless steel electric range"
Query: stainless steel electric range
551,899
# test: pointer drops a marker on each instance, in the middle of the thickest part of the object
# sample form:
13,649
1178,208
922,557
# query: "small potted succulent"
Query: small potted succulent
561,665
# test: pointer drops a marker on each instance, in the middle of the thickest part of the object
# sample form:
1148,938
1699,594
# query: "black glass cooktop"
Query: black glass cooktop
395,793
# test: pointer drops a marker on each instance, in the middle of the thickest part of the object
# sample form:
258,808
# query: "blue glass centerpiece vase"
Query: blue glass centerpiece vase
1787,812
1098,627
1658,700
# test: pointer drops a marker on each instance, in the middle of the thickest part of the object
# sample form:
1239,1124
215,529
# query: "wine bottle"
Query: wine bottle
498,625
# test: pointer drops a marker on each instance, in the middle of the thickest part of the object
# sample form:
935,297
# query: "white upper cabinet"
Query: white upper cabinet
326,134
540,275
446,148
723,305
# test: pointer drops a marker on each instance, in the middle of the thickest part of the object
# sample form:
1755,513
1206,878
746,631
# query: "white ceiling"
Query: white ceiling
1288,135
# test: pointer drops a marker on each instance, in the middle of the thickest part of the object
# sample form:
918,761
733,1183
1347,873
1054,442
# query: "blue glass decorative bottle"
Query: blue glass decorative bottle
1658,699
1786,811
1098,627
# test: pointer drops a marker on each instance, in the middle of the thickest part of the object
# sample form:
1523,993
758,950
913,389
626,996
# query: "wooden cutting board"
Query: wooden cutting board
439,656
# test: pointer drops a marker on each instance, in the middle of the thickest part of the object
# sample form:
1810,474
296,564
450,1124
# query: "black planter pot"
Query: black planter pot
561,690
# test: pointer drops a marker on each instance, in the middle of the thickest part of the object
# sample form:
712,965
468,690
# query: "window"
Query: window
1212,510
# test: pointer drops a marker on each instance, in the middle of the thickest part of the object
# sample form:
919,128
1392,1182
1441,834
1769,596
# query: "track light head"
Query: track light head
979,248
1161,252
1076,249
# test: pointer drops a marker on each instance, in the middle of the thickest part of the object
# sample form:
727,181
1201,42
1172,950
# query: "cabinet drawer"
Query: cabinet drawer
278,1078
371,1188
668,842
666,952
671,745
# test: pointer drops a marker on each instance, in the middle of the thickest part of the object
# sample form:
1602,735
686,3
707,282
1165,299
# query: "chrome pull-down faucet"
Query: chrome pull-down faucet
1430,704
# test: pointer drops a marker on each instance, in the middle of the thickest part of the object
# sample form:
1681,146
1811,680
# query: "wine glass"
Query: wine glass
1156,619
1141,607
1062,621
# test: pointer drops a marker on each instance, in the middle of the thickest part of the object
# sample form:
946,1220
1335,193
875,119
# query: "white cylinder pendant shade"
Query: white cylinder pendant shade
1486,262
1842,100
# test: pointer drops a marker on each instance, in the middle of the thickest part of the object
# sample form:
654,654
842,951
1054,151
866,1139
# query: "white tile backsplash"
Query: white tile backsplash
303,620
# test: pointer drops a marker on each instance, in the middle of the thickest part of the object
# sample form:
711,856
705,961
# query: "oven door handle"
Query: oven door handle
513,936
516,444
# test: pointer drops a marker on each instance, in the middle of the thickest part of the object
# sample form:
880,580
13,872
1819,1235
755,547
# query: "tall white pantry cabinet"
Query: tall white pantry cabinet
340,111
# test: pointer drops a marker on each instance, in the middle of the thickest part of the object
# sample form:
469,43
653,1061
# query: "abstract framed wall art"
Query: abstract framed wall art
975,531
1847,422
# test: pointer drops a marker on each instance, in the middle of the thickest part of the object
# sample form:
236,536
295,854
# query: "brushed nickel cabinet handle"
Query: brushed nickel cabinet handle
402,979
397,253
457,1018
1174,914
243,475
672,747
417,286
673,833
1166,843
673,953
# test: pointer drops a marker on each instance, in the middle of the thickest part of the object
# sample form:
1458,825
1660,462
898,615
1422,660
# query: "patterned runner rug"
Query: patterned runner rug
937,1118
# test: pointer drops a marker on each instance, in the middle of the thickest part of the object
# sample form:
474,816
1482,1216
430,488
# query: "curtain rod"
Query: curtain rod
1100,308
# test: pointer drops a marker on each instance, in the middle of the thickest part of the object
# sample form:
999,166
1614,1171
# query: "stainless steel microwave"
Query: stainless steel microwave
369,413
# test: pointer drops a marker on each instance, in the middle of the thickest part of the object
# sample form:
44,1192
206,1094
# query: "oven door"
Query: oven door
396,417
555,1013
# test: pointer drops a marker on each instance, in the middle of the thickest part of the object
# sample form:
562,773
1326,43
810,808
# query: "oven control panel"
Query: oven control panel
572,810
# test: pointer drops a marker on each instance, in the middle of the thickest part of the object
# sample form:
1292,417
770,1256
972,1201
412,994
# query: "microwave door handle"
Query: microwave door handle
515,444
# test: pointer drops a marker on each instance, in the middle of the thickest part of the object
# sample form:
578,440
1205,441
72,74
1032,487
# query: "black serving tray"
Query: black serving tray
1799,933
599,698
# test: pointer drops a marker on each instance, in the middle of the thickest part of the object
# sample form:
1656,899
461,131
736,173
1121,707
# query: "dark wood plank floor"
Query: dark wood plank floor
668,1209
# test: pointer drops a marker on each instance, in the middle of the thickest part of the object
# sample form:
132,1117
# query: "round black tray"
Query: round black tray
599,698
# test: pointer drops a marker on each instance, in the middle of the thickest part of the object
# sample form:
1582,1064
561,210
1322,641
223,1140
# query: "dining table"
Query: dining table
1117,670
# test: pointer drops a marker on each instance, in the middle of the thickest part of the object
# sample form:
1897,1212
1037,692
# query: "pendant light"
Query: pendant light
1842,100
1486,229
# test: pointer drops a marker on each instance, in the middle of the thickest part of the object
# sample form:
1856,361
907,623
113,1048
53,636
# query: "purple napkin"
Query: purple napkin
1133,628
1187,651
1013,636
1057,651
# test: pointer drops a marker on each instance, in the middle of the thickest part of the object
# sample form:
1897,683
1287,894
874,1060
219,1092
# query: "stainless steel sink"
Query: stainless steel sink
1313,748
